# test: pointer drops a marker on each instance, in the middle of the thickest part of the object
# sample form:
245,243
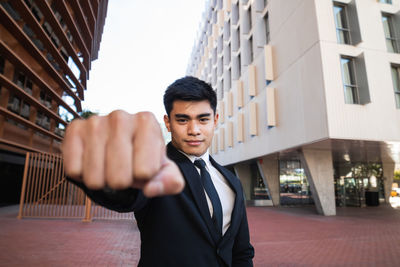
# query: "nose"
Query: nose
193,128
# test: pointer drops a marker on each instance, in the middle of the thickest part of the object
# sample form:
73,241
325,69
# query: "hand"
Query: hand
120,150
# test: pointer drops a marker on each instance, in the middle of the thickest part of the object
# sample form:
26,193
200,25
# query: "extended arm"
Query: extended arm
113,156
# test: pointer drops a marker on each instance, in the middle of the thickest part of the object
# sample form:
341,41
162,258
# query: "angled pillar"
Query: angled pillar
388,174
269,169
318,167
243,172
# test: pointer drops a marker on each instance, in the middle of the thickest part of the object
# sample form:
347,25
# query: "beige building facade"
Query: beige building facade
308,97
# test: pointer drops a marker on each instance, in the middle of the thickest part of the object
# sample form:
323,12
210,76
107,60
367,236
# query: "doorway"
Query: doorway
353,182
294,186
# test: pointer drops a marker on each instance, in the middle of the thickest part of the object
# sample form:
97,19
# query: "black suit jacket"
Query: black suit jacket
177,230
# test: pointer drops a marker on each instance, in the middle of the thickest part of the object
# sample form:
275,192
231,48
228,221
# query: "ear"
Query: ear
216,117
167,123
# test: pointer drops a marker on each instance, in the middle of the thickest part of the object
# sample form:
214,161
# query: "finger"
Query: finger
72,149
94,152
118,168
168,181
148,146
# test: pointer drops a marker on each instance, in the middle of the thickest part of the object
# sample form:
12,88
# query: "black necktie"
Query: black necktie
212,194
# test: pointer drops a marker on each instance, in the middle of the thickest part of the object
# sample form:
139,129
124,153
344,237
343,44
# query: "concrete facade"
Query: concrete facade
282,84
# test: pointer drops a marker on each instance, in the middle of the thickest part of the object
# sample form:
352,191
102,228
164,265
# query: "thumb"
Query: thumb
168,181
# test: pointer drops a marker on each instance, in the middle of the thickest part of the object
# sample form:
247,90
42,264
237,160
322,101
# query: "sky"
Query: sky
146,45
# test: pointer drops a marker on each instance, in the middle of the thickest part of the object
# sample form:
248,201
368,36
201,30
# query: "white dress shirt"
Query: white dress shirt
225,193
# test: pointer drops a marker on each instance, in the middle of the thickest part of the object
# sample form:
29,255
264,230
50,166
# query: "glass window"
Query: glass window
388,29
2,65
342,27
14,104
266,22
294,186
238,37
23,82
25,110
251,49
349,82
259,190
396,84
249,14
386,1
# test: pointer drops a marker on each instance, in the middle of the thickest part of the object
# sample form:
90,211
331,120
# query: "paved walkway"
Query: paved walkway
281,236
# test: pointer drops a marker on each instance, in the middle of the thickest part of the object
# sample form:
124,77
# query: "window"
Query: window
349,83
346,20
238,30
385,1
342,27
354,78
1,65
43,121
249,14
251,49
45,99
266,23
396,84
265,3
18,106
23,82
391,43
239,65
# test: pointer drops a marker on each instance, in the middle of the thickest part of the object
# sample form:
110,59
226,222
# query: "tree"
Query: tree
87,113
396,178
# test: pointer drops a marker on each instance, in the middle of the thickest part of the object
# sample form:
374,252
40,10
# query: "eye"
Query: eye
181,120
204,119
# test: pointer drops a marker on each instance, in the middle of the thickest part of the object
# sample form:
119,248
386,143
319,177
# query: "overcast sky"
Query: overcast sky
145,46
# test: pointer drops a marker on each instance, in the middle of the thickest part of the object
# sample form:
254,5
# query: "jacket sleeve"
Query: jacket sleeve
242,251
126,200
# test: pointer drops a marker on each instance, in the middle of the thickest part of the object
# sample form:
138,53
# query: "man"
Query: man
119,160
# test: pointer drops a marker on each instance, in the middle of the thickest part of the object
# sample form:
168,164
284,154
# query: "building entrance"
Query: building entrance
294,187
357,184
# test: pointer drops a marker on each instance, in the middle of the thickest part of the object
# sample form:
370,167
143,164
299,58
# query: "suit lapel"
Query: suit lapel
193,182
235,186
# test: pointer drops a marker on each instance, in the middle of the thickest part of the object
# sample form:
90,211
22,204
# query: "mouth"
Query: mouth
194,142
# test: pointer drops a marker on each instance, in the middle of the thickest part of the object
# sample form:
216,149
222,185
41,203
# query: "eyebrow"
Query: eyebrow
185,116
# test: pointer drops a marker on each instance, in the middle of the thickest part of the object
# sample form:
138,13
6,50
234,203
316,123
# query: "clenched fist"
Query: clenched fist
119,151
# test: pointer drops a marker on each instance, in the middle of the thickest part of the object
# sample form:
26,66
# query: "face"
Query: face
192,125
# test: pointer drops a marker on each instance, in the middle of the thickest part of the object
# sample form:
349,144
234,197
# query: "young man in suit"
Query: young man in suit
190,210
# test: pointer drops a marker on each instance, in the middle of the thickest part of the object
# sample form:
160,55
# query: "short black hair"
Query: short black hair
189,88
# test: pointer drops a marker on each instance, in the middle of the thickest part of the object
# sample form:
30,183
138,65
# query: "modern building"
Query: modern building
308,97
46,50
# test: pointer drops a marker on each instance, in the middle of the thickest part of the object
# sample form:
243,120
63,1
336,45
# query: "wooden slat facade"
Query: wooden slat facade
40,92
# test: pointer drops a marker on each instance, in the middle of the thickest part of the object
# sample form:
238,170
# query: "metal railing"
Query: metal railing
46,193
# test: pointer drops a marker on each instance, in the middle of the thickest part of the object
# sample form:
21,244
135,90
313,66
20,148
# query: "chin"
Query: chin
195,151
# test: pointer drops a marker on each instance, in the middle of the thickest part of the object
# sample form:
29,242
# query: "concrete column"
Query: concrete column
269,169
388,174
242,170
318,167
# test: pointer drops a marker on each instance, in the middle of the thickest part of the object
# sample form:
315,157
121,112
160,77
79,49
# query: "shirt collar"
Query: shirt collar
192,158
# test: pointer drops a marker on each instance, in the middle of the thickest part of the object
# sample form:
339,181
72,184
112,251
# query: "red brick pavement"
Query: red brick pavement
281,236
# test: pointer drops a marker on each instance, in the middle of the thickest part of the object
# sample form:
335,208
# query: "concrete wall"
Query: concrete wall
378,120
309,98
300,102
